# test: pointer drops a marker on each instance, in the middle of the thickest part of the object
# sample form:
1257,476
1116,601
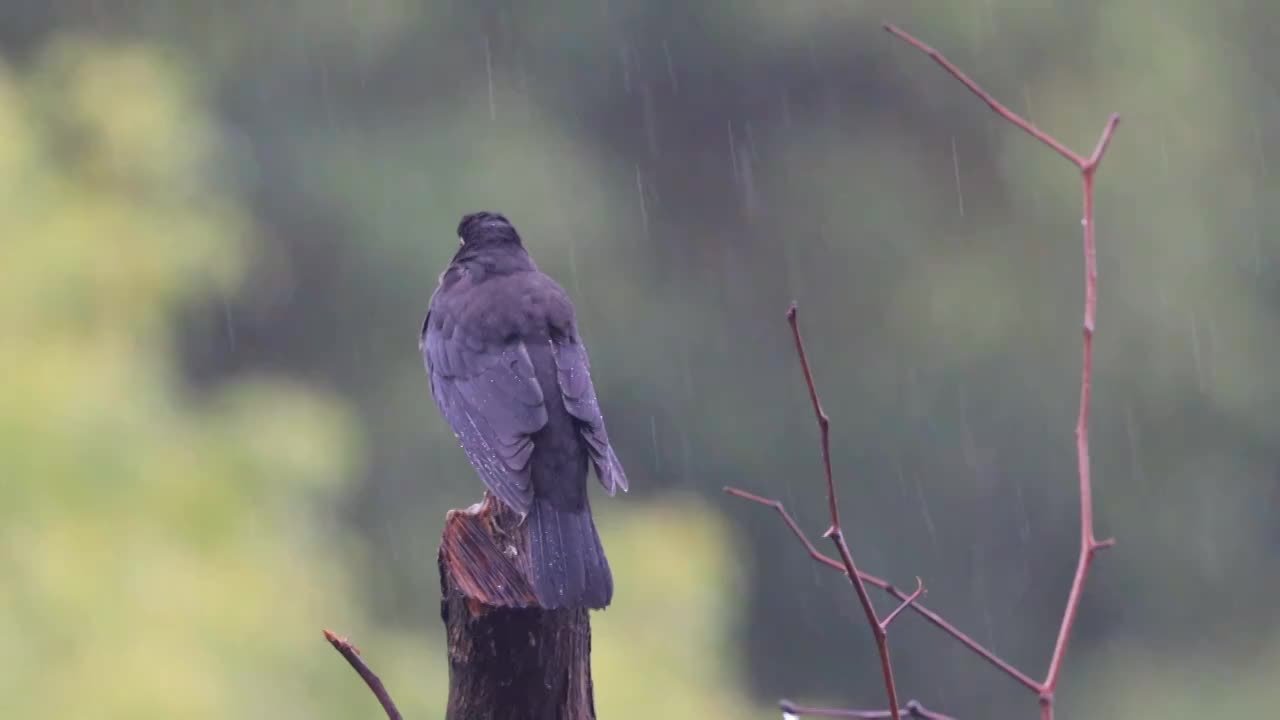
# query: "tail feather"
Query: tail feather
567,562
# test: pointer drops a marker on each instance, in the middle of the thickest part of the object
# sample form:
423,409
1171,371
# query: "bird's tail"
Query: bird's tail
567,562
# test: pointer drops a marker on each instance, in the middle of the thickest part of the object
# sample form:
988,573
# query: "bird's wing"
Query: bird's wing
491,398
573,371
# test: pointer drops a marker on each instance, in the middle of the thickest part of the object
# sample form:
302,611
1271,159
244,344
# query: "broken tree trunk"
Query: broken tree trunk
509,659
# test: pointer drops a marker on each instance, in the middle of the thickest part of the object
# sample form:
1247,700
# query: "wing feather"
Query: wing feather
493,402
573,372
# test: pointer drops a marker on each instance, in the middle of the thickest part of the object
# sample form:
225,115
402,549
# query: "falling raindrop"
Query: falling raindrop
644,208
1164,150
1024,522
573,265
326,96
747,181
733,153
671,71
686,449
924,512
488,69
1257,247
1135,454
648,118
653,437
1195,351
625,52
230,327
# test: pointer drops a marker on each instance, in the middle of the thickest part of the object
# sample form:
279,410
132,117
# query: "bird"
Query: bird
509,372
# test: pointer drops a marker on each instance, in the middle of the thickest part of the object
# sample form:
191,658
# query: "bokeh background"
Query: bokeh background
220,224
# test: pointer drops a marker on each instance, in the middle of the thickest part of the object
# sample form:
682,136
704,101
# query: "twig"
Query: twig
352,654
884,624
994,104
1089,544
911,709
932,617
835,532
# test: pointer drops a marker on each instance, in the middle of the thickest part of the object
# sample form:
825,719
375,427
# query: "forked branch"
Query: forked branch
884,624
911,709
352,654
1089,544
932,617
835,532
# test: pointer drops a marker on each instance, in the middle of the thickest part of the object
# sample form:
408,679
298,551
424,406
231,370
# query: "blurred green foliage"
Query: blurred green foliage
164,554
669,626
220,224
170,554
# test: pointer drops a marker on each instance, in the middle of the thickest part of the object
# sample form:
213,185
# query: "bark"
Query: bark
509,659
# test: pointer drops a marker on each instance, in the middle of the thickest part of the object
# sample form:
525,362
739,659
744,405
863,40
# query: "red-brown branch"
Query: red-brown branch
884,624
911,709
932,617
835,532
352,654
1089,544
991,102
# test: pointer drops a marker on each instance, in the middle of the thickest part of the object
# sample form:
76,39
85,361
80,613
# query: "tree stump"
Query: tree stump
509,659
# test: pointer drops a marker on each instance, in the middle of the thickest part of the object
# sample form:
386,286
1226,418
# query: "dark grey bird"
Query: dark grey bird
510,374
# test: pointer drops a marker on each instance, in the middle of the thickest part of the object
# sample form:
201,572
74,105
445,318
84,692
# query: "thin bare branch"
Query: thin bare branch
1089,544
884,624
352,654
824,423
835,532
1103,142
814,552
986,97
911,709
932,617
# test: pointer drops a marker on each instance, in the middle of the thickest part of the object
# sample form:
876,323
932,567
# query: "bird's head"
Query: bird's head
486,229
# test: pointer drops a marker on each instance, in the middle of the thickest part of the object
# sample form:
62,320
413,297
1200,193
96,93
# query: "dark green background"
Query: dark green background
685,169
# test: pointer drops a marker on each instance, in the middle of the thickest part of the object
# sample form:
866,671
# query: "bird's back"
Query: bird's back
493,315
527,306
